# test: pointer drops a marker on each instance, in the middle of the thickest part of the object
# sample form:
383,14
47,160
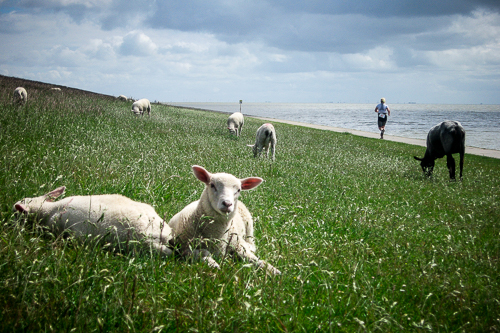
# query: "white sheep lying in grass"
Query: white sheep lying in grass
123,98
217,223
265,139
235,123
141,106
111,218
55,89
20,95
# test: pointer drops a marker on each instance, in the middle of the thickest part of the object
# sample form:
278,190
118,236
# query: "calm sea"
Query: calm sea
481,122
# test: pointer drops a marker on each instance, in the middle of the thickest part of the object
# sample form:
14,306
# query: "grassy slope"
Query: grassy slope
364,241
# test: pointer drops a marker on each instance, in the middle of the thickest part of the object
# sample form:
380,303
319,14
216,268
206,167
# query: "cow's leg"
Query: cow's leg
450,162
461,164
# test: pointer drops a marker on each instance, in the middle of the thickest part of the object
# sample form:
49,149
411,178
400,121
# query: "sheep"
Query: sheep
55,89
445,138
218,223
140,106
265,139
235,123
123,98
111,218
20,95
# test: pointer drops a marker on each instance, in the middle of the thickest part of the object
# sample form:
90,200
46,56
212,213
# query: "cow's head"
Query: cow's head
426,164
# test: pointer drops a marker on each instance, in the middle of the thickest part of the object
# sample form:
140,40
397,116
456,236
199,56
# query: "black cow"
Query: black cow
446,138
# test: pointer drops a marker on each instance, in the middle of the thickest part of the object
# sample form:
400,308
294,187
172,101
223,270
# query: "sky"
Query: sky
314,51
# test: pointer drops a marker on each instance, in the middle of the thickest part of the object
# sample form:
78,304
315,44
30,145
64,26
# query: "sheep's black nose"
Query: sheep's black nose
227,203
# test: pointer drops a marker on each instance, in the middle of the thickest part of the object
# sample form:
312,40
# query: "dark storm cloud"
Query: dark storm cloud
325,26
389,8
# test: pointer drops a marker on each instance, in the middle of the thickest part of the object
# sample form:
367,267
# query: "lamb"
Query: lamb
110,218
265,139
235,123
20,95
445,138
217,223
123,98
140,106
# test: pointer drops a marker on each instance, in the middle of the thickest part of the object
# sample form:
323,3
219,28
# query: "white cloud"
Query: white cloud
138,44
257,51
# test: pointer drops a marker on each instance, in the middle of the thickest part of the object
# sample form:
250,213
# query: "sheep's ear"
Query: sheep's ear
250,183
417,158
21,208
55,193
202,174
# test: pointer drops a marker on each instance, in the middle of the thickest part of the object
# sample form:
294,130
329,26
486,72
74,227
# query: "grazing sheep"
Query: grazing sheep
140,106
265,139
112,218
55,89
445,138
20,95
123,98
235,123
217,223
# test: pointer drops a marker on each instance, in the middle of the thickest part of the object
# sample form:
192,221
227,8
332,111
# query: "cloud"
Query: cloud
137,44
259,50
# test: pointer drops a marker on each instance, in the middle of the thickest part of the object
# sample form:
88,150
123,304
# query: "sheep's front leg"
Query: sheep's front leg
205,256
245,252
164,250
270,269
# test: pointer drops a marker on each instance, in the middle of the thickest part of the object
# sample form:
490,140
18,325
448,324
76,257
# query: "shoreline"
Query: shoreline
417,142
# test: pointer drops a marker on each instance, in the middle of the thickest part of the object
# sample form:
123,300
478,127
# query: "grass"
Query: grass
365,242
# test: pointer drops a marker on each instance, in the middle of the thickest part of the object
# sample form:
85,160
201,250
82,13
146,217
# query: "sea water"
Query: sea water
481,122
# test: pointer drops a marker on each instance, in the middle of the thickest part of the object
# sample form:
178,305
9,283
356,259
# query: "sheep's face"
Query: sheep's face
223,192
224,189
232,129
25,205
137,110
33,205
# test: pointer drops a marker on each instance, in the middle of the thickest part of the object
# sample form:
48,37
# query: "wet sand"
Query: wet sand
418,142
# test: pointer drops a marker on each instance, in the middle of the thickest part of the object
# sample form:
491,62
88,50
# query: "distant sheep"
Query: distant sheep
265,139
20,95
123,98
217,223
235,123
445,138
55,89
112,218
141,106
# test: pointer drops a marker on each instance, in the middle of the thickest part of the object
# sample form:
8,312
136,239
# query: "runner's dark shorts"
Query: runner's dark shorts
382,121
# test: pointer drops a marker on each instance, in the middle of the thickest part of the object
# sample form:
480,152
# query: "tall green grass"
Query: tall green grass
365,242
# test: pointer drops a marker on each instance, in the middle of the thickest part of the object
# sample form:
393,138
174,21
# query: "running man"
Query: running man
383,111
